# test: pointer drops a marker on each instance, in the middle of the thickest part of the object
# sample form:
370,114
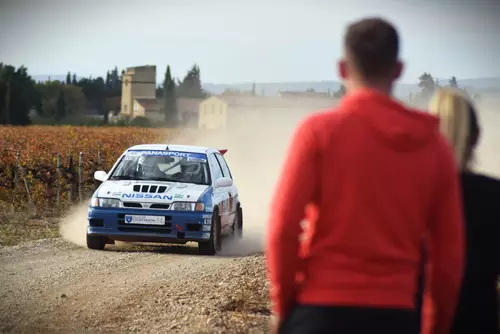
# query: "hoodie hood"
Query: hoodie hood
399,127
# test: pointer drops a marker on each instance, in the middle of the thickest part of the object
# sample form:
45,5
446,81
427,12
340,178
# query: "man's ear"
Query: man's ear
398,71
342,69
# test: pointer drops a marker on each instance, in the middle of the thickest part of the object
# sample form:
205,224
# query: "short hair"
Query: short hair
372,44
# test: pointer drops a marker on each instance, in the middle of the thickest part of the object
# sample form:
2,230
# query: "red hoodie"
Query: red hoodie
376,179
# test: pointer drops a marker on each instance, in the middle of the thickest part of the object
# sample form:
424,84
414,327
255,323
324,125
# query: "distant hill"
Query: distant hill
481,84
271,89
402,90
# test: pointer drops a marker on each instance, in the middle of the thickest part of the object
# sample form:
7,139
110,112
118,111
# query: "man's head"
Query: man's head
371,49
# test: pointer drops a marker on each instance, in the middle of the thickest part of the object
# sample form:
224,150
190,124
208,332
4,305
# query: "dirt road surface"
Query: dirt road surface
55,286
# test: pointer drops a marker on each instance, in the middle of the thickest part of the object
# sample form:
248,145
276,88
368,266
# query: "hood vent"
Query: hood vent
145,188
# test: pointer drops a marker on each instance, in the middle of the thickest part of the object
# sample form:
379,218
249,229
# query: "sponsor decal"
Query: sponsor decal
148,196
206,236
206,228
178,196
114,193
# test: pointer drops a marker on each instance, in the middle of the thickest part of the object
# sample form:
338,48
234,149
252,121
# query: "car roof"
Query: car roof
179,148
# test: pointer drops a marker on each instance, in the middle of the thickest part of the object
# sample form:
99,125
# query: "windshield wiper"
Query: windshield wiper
125,177
164,179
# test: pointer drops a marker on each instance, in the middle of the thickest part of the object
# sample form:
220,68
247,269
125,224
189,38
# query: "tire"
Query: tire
238,223
96,242
214,244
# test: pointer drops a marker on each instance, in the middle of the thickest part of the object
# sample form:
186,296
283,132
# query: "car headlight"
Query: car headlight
105,202
188,206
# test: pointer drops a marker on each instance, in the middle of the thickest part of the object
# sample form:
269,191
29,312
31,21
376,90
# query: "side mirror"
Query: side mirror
223,182
100,175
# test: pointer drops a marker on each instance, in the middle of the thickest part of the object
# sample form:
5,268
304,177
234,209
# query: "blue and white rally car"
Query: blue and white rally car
166,193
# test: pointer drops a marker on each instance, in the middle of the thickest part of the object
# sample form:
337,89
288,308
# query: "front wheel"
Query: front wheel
214,244
96,242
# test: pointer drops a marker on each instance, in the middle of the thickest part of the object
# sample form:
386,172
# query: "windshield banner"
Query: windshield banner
187,155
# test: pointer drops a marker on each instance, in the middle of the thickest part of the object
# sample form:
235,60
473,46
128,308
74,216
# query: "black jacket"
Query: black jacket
478,306
477,310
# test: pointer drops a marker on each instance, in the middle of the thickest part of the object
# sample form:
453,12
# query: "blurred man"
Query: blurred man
377,180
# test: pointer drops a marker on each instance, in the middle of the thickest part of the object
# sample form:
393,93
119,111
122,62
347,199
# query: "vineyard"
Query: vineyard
51,167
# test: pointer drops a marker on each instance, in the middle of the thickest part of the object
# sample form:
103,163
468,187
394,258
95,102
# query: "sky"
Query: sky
235,41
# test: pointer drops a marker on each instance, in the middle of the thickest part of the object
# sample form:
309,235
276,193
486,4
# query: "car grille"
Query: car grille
167,228
146,188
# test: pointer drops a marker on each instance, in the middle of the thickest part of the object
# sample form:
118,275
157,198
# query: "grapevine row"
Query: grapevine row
48,166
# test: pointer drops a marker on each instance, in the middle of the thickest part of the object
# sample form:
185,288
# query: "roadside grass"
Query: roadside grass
22,224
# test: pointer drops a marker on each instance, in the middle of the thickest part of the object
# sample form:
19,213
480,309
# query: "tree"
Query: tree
49,92
61,106
190,86
109,85
74,99
74,82
169,99
17,95
100,97
159,92
95,94
453,82
112,103
341,92
427,85
68,79
116,82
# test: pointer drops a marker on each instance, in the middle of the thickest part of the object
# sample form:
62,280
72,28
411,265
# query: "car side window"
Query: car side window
225,169
214,167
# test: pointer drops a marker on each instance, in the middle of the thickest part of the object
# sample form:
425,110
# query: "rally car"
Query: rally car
166,193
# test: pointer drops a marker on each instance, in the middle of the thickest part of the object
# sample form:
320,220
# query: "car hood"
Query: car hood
151,191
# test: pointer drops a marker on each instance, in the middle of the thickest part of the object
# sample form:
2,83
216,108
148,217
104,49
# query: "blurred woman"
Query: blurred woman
477,311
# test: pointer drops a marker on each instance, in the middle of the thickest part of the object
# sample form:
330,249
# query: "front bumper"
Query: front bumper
180,226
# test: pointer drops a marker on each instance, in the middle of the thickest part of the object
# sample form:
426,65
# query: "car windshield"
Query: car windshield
158,165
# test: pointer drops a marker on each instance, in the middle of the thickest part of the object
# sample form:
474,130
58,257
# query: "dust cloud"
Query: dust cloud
256,146
73,226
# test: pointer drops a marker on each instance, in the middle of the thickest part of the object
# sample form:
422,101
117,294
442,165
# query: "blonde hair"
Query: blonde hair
453,108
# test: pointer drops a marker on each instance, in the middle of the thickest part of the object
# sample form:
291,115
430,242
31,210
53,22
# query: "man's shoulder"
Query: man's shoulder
323,117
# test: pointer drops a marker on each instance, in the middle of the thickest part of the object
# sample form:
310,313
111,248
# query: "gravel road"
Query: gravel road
52,286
